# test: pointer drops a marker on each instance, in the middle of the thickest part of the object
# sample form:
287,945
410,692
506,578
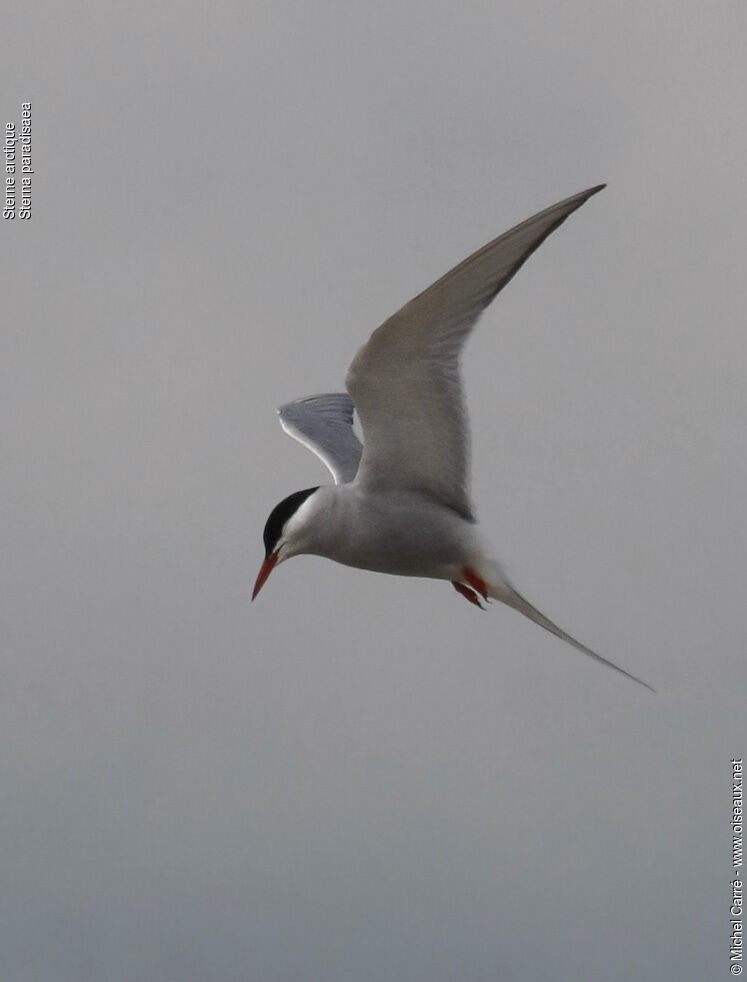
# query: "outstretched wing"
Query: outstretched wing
324,424
405,380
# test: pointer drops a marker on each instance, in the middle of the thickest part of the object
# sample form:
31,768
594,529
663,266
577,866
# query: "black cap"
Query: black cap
280,515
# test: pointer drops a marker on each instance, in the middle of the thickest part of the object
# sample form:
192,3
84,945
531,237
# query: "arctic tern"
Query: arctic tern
400,502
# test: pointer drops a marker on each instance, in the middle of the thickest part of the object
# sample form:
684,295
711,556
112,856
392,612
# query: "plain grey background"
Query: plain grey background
359,777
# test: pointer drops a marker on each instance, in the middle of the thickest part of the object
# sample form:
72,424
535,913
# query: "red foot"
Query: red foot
466,592
476,582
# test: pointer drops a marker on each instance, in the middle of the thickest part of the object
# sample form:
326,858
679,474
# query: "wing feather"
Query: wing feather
324,425
405,381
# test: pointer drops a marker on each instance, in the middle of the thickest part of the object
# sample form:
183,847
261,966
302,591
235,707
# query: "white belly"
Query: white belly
402,533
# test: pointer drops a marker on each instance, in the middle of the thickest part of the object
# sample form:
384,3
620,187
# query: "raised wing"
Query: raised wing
324,424
405,380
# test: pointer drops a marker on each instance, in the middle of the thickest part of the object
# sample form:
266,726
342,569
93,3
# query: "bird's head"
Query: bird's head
286,533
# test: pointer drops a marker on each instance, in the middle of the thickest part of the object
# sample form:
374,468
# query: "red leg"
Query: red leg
476,582
466,592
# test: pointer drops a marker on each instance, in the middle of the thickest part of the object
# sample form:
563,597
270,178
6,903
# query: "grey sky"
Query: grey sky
360,777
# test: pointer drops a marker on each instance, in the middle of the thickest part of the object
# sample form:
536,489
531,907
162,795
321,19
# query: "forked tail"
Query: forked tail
503,591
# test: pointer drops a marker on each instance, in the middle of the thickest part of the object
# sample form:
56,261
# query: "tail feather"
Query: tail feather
512,598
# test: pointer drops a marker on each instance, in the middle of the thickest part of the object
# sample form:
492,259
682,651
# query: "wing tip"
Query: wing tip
584,196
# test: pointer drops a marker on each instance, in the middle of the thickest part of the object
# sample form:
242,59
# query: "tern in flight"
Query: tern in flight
400,502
